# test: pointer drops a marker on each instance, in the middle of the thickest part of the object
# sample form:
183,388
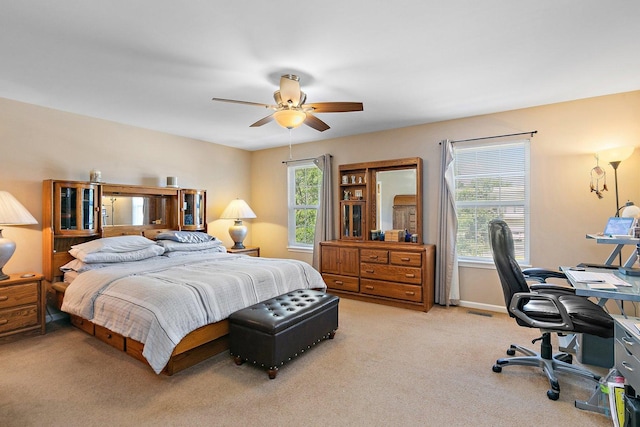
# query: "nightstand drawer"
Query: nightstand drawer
18,317
11,296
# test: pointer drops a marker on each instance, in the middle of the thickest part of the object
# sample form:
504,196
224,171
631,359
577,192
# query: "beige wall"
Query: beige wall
40,143
562,208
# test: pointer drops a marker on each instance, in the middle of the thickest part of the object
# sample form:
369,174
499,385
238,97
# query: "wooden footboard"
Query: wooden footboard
197,346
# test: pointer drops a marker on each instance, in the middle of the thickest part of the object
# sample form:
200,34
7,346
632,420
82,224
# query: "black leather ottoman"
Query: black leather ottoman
274,331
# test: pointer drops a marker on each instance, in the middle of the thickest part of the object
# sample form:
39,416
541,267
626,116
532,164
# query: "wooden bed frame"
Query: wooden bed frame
195,347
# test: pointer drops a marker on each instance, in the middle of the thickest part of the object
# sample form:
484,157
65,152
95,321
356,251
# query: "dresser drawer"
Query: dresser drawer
14,295
391,290
343,283
18,317
111,338
392,273
406,258
374,255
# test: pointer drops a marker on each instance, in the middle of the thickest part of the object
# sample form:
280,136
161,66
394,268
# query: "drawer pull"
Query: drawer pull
369,287
373,256
410,276
627,366
109,336
4,298
410,293
370,271
627,341
4,321
405,259
338,282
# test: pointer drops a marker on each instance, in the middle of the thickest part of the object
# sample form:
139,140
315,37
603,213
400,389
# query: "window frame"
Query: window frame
501,204
292,244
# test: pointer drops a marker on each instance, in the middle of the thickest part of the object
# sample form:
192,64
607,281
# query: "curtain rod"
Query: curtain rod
497,136
301,160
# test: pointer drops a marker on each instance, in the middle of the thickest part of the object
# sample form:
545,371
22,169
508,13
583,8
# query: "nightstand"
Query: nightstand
22,304
249,250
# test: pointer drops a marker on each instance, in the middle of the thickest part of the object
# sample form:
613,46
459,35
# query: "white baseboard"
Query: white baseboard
485,307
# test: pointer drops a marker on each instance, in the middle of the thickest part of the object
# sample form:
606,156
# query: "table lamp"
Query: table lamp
11,213
237,210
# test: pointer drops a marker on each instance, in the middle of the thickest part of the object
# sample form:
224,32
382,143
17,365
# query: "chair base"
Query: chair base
550,364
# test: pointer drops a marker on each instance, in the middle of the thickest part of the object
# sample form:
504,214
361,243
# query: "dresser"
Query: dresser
398,274
22,305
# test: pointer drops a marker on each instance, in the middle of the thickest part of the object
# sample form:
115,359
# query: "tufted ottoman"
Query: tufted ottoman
276,330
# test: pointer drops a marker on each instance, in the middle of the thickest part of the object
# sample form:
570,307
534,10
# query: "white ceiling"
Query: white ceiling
156,64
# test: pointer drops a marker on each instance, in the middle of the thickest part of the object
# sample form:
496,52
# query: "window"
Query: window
491,181
304,181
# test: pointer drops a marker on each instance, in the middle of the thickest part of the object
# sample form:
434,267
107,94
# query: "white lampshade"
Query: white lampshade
616,154
289,118
11,213
630,211
237,210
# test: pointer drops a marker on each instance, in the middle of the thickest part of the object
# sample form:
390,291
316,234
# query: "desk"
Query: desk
620,242
622,293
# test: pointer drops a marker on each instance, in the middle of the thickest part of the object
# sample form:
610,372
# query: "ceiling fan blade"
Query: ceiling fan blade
262,121
316,123
256,104
334,107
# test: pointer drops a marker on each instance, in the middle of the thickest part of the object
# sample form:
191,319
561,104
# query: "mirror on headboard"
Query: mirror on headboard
124,207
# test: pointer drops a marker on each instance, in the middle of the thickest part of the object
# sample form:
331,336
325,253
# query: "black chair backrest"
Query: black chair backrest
511,277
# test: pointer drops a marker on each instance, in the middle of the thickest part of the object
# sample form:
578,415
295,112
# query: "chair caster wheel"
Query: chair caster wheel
497,368
553,395
511,352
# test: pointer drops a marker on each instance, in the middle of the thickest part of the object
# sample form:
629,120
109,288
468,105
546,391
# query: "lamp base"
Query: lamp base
7,248
238,232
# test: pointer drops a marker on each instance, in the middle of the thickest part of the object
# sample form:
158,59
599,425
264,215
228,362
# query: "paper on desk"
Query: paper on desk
599,285
592,277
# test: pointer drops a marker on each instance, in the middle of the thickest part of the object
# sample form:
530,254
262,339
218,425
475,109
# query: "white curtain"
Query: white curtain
324,219
447,290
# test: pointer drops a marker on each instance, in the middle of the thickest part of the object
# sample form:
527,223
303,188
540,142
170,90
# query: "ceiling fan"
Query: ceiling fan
290,110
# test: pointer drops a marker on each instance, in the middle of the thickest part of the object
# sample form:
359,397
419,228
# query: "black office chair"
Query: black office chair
551,308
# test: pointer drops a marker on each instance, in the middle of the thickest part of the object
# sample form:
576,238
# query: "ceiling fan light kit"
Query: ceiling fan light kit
289,118
291,111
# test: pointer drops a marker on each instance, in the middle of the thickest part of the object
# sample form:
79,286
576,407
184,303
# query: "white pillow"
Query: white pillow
170,245
97,257
115,244
79,266
185,236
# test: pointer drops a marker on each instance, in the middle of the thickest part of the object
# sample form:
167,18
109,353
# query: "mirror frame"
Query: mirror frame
370,170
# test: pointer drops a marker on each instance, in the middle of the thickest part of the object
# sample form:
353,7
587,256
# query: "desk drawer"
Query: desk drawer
627,364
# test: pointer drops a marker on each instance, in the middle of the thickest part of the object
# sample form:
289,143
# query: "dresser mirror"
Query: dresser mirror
391,198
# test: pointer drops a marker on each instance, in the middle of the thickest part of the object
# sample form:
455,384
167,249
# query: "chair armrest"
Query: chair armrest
553,288
542,274
521,298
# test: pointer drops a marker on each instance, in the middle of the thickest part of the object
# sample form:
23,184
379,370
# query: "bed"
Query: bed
168,308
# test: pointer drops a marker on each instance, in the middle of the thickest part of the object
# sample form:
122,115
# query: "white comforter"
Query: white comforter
159,301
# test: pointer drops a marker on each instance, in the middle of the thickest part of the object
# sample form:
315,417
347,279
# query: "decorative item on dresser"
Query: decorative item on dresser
22,305
364,263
